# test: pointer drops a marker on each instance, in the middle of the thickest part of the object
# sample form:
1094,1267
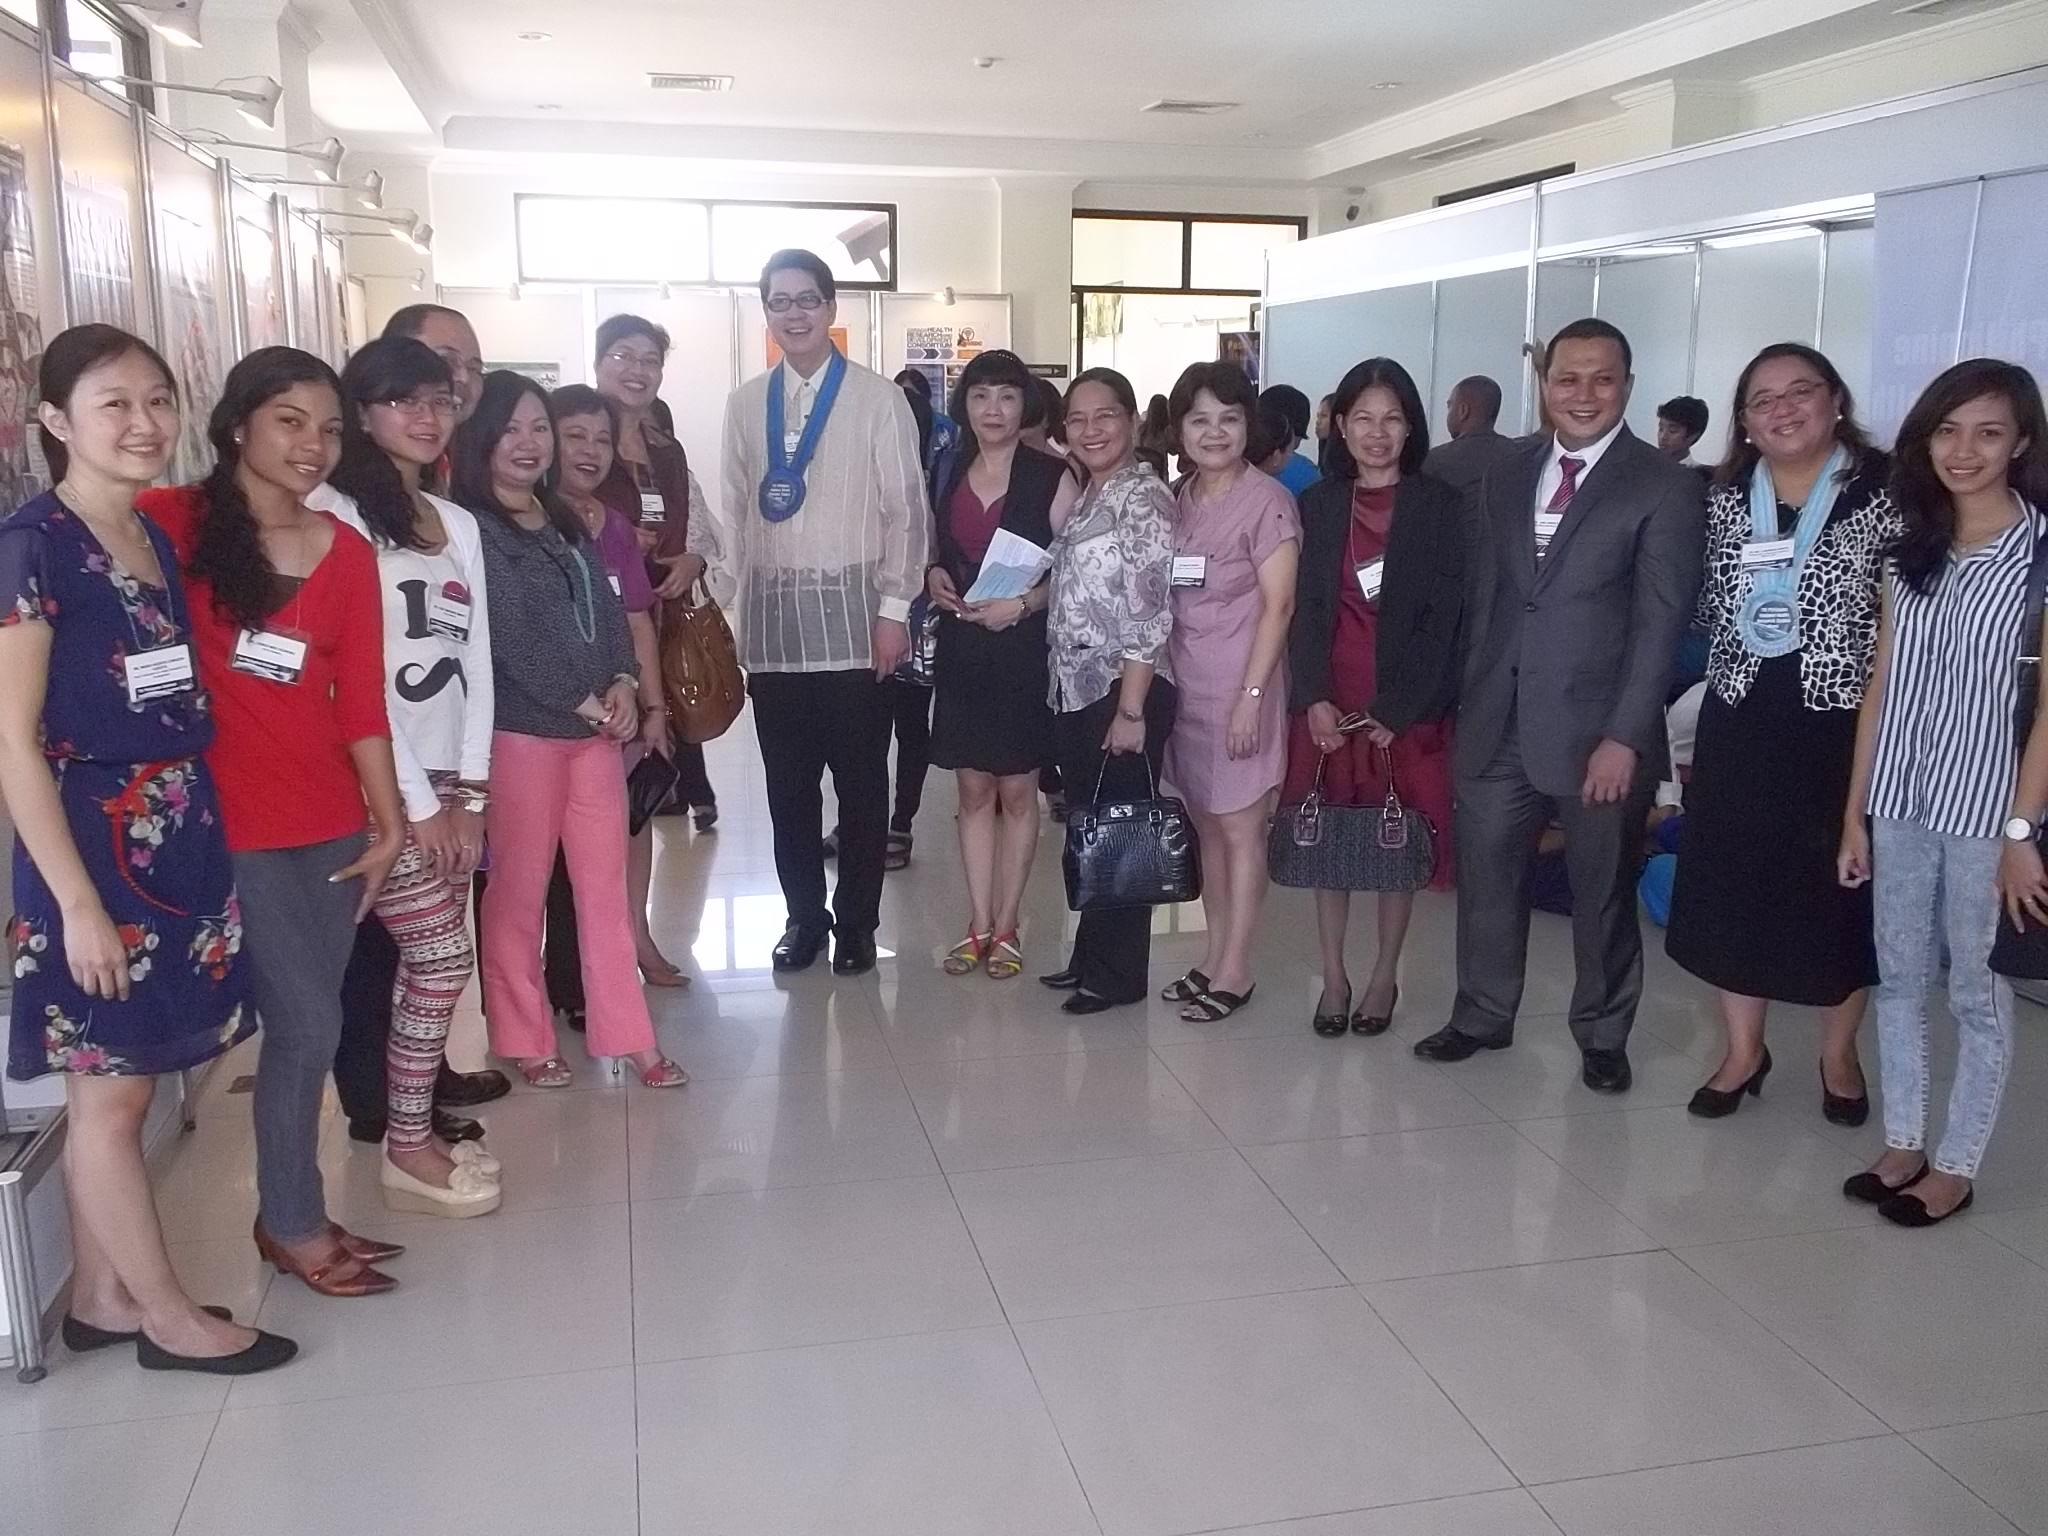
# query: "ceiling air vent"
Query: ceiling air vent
707,83
1455,150
1175,106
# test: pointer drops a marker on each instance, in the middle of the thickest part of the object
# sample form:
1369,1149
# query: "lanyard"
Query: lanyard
782,488
1768,619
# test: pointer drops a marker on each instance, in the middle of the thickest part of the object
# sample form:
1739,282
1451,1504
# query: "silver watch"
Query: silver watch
2020,830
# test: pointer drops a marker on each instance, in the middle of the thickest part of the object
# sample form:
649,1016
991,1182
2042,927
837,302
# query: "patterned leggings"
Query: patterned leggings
425,918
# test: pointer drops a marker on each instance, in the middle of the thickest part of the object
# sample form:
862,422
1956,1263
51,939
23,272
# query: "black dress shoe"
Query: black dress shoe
1333,1026
1087,1002
1839,1110
1711,1103
797,948
1062,981
853,954
466,1090
1911,1210
1871,1190
1607,1072
1453,1044
706,818
266,1354
450,1128
84,1338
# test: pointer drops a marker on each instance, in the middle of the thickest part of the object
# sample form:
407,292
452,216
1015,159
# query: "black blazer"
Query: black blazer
1422,599
1027,508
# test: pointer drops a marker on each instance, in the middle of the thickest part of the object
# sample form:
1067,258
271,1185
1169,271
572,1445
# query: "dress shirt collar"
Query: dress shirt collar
1588,455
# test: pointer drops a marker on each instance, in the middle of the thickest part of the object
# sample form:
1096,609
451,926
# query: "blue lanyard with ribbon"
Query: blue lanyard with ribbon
782,488
1768,619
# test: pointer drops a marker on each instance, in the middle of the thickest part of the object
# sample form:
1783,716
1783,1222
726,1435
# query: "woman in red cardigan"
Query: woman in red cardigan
287,612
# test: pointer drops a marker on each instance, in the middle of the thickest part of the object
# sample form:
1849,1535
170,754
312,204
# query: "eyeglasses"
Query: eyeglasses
1796,395
418,406
781,303
627,358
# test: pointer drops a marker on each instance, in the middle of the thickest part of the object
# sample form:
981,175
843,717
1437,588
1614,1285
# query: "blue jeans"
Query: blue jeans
1915,871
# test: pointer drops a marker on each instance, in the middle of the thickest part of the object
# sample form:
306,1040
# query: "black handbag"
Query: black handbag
1322,847
1130,853
2022,953
648,787
920,662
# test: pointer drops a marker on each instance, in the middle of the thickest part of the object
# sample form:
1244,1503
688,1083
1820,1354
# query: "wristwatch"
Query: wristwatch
2020,830
1136,719
1256,692
474,801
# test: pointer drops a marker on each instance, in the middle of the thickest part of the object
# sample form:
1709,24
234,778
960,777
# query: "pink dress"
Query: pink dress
1213,627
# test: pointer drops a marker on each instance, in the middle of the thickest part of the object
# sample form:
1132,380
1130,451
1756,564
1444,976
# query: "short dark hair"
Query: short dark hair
1294,407
69,358
1003,370
1228,383
409,320
1690,412
916,383
796,259
1590,329
1271,432
582,400
1484,393
616,329
1383,373
1925,506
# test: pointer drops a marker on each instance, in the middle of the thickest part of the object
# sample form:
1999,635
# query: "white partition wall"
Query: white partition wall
1479,322
700,373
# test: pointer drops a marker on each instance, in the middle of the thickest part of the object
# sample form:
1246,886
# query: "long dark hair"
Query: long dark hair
1742,455
469,456
229,553
391,368
1382,373
1923,501
69,358
999,369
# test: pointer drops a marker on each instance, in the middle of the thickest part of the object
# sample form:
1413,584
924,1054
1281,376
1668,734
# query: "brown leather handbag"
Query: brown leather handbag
700,668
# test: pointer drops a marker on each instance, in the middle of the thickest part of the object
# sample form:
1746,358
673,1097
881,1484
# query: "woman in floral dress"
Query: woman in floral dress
126,937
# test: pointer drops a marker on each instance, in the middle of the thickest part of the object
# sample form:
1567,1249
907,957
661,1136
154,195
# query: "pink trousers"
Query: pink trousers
543,792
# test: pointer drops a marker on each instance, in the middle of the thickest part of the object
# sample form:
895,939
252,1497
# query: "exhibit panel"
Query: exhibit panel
259,265
104,216
192,295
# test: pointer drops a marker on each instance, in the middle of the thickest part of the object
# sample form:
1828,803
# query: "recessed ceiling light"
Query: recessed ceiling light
1386,85
548,106
535,37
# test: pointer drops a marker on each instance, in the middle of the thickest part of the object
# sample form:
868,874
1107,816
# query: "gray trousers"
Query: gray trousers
1500,815
297,930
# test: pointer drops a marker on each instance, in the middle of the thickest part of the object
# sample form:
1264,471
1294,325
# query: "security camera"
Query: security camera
1351,213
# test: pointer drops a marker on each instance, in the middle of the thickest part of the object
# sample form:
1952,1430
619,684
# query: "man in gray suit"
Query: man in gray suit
1585,568
1475,446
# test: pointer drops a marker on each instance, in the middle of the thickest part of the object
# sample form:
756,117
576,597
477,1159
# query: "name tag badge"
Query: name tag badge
275,654
448,613
617,590
790,441
1190,570
653,509
159,674
1767,555
1547,524
1369,578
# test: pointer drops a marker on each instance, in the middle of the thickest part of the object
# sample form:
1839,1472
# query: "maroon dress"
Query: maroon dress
1422,753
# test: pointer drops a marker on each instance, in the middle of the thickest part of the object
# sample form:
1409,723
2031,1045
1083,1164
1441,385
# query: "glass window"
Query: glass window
25,9
1228,255
858,243
1128,253
98,47
607,239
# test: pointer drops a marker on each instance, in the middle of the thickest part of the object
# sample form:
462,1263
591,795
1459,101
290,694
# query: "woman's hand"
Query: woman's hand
592,710
938,586
1379,735
95,953
1323,721
468,828
373,868
621,710
2023,885
682,573
654,731
436,837
1852,862
1242,740
1124,735
997,614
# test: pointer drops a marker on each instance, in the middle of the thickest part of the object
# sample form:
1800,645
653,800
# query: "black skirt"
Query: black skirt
1756,908
989,688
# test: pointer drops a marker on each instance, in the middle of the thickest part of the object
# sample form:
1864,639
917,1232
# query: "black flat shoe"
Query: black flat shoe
1334,1026
1453,1044
705,818
1911,1210
1086,1002
576,1020
83,1338
1838,1110
1712,1103
853,955
796,949
466,1090
266,1354
1871,1190
1062,981
1607,1072
1363,1023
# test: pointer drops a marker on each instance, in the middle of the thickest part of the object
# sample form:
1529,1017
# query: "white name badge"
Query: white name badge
1190,570
271,654
1369,577
159,674
789,443
1767,554
617,590
1547,524
448,614
653,509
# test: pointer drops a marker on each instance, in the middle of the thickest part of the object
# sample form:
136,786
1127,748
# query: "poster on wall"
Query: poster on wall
306,287
191,334
1241,348
940,352
23,475
547,375
262,297
99,235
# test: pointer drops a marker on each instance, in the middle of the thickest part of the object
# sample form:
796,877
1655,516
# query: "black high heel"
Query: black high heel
1332,1026
1712,1103
1363,1023
1839,1110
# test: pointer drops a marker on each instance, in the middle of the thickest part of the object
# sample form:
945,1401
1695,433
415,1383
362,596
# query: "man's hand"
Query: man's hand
1609,773
891,644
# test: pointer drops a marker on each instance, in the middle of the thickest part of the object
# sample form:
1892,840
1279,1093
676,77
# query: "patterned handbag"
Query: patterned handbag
1322,847
1131,853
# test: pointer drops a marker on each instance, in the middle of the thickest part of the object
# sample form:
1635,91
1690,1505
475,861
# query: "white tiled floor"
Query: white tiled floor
924,1257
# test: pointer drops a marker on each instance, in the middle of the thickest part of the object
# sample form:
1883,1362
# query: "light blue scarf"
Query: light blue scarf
1768,619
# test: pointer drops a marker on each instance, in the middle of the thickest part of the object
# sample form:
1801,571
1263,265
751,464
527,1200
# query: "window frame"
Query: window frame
1187,222
135,58
710,205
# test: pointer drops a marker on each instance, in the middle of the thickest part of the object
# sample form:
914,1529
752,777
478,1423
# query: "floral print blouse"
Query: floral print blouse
1111,570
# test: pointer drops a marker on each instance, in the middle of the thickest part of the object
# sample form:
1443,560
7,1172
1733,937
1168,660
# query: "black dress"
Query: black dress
1756,908
991,689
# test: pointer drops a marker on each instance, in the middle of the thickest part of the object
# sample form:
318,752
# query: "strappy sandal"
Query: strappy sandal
1187,989
967,955
663,1074
1213,1004
547,1072
1005,958
896,853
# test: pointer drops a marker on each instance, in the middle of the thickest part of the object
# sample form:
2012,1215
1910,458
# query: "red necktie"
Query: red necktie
1560,499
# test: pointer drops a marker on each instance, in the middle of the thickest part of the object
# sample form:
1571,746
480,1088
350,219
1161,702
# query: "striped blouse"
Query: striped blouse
1946,757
